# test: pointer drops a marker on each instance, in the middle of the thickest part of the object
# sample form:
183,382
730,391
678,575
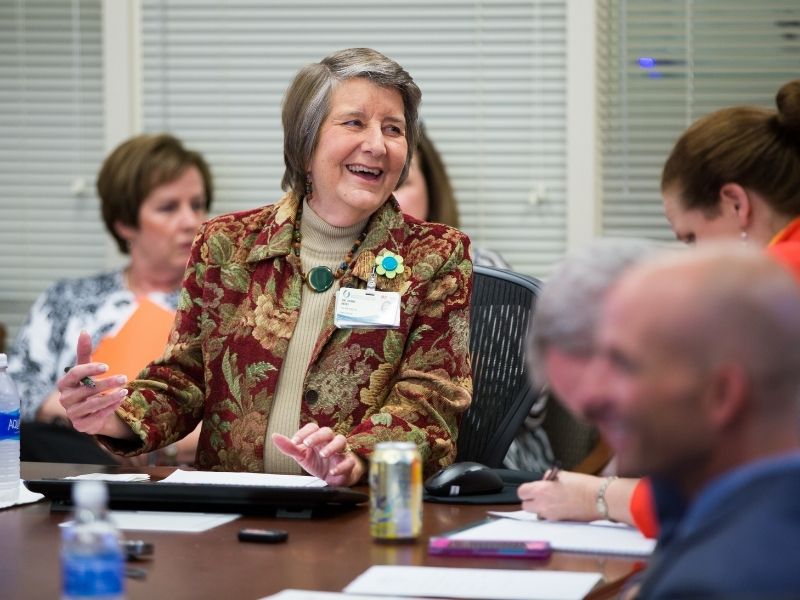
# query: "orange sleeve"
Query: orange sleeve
788,254
643,509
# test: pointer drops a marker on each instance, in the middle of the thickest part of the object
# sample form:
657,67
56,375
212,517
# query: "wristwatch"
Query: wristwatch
600,499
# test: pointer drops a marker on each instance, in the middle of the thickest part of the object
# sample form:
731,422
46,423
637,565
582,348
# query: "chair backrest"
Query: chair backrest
501,307
575,444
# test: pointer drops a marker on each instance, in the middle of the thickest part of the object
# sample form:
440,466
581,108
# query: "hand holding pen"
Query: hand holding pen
87,381
89,403
552,473
561,495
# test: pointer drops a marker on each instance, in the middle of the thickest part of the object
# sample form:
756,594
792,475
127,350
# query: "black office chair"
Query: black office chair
502,304
576,445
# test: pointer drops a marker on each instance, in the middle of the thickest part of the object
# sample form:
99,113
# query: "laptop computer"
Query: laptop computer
292,502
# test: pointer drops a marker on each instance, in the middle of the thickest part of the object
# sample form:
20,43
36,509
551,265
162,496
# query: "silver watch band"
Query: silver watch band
600,499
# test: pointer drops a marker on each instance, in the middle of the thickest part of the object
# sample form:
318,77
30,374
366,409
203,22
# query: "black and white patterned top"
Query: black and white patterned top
488,258
531,449
45,345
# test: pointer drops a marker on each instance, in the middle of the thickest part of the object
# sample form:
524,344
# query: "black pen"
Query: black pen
552,472
87,381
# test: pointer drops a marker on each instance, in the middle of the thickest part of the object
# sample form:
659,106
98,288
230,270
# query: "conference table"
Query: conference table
322,554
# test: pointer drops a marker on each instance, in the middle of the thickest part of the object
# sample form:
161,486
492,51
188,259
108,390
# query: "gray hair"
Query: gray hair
569,307
307,103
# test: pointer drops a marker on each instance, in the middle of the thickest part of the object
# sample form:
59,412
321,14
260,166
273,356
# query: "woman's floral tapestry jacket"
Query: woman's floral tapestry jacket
238,308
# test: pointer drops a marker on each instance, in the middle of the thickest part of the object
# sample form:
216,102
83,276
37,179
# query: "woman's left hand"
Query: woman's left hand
322,453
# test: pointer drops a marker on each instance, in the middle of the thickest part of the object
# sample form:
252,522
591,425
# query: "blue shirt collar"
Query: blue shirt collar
677,517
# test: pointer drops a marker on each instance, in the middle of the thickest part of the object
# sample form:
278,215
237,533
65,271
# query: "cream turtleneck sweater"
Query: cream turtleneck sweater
322,245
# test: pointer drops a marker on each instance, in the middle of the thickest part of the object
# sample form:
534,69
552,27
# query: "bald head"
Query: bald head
726,303
697,366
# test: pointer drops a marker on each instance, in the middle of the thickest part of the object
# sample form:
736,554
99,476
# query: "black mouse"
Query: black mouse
463,479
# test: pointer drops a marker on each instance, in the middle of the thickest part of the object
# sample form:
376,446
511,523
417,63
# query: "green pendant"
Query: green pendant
320,279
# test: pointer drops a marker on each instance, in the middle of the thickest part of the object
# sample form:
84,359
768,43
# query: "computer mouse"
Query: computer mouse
464,479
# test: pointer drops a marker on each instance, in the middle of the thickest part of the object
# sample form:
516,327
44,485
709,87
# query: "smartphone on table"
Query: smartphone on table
445,546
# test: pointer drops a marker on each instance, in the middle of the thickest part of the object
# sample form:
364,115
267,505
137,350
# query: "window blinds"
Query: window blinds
665,63
51,139
491,73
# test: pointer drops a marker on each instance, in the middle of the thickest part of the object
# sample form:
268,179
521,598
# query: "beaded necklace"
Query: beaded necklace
321,278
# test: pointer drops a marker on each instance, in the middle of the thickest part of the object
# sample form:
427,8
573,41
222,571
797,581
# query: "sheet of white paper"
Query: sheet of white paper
312,595
519,515
565,536
257,479
165,521
24,496
112,476
523,515
489,584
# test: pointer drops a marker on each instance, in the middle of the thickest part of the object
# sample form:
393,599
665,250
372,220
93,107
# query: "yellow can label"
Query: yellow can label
395,481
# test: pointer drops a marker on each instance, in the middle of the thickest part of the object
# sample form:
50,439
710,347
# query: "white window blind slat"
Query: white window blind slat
708,54
51,133
491,73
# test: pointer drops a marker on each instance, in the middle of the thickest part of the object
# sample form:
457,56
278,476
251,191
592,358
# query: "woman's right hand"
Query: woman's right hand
89,409
571,497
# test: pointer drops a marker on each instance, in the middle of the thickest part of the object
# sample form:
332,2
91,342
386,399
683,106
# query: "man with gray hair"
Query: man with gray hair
696,382
562,344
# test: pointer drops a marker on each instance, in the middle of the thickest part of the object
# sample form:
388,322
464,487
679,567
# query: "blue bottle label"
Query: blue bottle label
91,576
9,426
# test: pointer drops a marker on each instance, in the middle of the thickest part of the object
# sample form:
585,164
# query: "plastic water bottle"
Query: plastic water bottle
9,435
92,563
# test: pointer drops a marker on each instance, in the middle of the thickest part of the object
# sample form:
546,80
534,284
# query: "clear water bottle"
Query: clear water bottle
92,562
9,435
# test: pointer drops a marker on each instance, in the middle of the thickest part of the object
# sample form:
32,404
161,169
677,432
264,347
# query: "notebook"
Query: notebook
564,536
138,341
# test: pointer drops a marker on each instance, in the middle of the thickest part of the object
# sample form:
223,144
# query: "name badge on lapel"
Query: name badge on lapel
366,308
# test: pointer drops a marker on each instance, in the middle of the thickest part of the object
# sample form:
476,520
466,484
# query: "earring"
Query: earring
309,188
743,236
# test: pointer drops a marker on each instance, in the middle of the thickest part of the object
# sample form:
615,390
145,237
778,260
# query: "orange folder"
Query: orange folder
140,340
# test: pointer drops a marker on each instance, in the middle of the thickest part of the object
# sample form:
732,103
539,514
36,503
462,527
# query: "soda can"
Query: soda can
395,484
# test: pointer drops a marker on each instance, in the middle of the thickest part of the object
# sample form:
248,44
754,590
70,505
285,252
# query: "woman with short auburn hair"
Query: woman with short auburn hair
136,168
154,194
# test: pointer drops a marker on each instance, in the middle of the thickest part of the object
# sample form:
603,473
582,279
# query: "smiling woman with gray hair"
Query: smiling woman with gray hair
256,355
